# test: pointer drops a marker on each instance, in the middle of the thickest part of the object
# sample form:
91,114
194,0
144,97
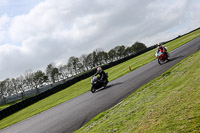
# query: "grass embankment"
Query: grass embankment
170,103
12,103
84,85
7,105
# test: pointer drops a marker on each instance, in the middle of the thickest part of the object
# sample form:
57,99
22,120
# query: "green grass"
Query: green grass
84,85
7,105
169,103
12,103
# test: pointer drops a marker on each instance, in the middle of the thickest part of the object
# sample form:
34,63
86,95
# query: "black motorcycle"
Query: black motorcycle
97,83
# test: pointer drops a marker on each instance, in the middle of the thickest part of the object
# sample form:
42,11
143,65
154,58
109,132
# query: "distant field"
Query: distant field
168,104
84,85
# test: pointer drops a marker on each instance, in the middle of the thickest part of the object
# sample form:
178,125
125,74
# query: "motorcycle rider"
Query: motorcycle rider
162,49
102,74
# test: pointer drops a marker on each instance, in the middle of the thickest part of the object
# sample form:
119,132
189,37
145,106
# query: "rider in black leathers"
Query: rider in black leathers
102,74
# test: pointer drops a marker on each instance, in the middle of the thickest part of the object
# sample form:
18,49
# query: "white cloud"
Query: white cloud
3,2
195,14
4,23
54,30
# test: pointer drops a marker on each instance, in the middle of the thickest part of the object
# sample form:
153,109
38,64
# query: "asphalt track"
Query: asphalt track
73,114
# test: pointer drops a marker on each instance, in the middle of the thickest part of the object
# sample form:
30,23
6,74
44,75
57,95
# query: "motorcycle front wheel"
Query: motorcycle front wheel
93,89
105,84
160,61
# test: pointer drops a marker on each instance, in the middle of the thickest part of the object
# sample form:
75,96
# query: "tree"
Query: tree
94,59
73,62
3,91
8,86
121,51
21,85
14,84
55,74
49,72
105,56
138,46
6,89
116,49
80,67
128,51
102,57
28,80
63,72
90,60
52,73
38,79
84,61
70,69
111,55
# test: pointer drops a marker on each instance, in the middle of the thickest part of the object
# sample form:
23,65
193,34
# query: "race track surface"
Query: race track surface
73,114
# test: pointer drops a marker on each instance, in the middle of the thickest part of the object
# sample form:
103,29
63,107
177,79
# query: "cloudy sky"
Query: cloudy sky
35,33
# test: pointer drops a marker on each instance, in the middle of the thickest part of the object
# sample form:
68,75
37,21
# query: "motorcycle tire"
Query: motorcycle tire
160,61
93,89
104,85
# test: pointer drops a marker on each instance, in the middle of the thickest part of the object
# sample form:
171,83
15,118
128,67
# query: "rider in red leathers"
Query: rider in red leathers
162,49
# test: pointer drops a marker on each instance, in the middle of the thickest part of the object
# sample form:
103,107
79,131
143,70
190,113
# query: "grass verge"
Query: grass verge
7,105
169,103
84,85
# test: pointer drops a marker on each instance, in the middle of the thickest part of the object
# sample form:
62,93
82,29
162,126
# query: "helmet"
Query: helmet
158,44
99,69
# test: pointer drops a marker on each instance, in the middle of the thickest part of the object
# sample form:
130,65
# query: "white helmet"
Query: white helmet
99,69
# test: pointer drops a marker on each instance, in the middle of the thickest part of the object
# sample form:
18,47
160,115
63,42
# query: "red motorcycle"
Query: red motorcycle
162,57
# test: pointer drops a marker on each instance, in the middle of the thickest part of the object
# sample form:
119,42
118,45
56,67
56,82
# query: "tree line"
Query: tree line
75,65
